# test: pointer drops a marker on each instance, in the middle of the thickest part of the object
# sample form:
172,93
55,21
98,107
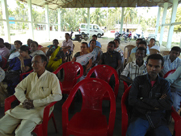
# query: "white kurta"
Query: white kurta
42,91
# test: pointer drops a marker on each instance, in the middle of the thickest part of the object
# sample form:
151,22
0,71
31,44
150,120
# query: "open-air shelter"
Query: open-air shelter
58,4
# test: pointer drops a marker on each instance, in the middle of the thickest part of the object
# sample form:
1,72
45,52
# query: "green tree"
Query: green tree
98,17
177,28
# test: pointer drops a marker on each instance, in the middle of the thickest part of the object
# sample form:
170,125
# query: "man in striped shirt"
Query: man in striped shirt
135,68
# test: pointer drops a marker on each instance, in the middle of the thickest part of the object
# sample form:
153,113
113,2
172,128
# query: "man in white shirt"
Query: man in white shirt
135,68
37,90
67,43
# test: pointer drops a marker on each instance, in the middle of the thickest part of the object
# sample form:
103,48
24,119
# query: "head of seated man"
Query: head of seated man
137,41
142,44
174,53
110,47
39,63
1,43
67,36
7,45
154,65
117,42
33,46
139,55
34,49
94,37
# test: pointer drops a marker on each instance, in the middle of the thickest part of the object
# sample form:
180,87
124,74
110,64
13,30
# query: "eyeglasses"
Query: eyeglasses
82,47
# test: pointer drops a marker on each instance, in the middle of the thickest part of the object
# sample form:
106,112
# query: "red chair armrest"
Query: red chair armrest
46,115
81,73
8,102
124,119
47,111
65,107
177,120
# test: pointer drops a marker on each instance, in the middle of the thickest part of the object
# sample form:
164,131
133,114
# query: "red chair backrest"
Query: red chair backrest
71,70
93,90
105,72
169,73
3,63
124,111
125,85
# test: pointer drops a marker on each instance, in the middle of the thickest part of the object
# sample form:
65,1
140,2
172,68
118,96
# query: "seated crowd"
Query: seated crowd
150,95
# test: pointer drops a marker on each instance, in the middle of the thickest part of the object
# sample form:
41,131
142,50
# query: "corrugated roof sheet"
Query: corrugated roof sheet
54,4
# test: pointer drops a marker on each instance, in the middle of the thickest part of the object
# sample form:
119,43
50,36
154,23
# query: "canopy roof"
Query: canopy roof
54,4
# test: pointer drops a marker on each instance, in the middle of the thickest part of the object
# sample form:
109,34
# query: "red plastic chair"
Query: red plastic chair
89,121
3,63
125,85
24,74
124,124
105,72
40,129
71,70
169,73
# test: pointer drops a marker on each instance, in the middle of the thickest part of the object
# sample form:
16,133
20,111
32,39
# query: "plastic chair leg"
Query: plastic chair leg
53,118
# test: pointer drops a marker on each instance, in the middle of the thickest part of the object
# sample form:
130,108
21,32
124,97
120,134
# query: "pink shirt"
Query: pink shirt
68,43
4,52
152,83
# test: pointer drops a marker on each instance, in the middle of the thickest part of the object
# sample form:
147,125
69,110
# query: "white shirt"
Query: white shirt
37,52
156,47
13,55
68,43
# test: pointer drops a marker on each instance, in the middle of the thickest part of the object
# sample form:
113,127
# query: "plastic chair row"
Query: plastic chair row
71,76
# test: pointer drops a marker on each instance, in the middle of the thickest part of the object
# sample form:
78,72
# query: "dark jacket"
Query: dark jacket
146,100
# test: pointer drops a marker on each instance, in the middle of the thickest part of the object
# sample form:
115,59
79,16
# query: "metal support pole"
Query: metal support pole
163,22
47,21
6,17
88,21
122,19
173,17
59,20
30,18
157,22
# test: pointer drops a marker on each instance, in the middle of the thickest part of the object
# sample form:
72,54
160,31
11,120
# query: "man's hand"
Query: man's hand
28,104
163,96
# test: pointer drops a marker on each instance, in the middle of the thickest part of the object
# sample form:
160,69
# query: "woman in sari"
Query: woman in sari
56,55
82,58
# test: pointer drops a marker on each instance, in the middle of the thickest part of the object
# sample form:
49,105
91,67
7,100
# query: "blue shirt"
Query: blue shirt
134,50
15,64
168,65
97,44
